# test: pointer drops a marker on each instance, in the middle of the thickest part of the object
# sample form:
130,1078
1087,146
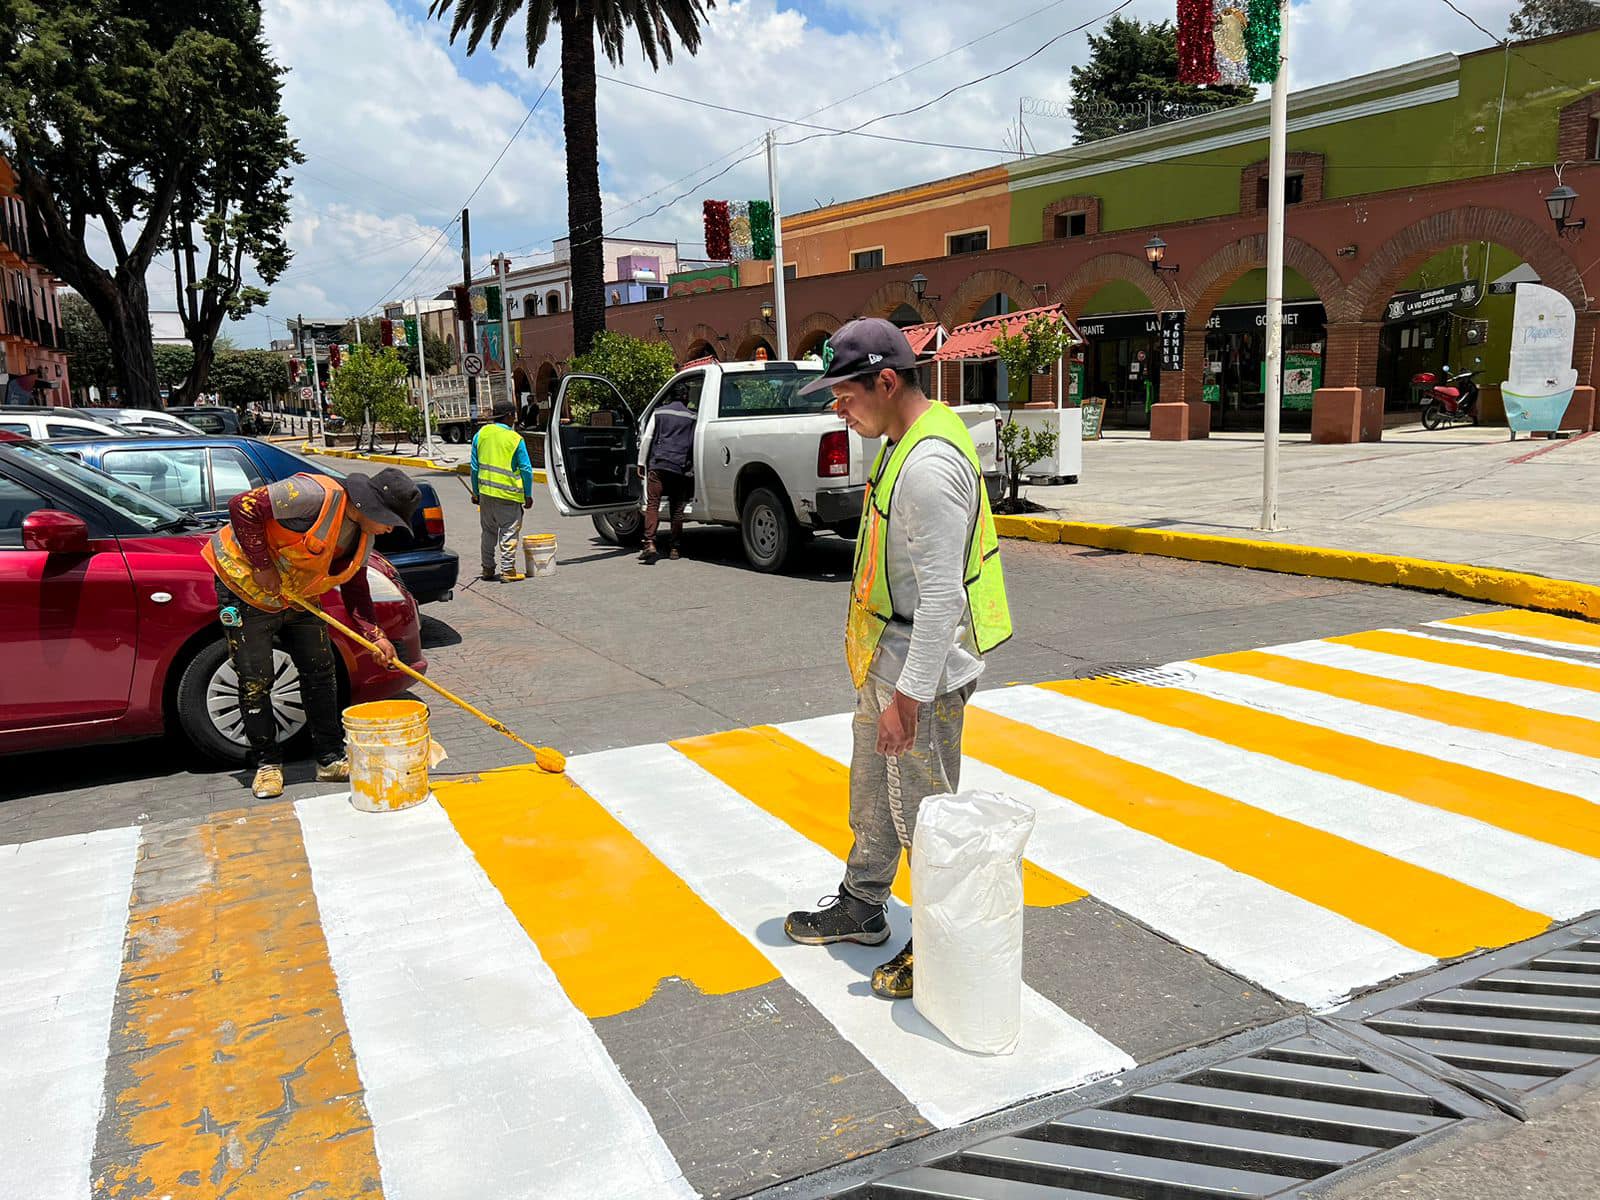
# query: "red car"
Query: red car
108,618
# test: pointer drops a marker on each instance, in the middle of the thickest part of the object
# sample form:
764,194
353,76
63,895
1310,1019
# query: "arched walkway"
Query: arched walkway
700,341
1079,288
754,334
979,288
891,296
809,335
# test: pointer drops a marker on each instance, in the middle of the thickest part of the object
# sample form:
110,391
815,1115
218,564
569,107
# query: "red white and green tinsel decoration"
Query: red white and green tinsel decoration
738,229
1229,41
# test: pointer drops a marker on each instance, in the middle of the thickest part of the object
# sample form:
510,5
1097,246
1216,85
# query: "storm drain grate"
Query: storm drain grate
1261,1125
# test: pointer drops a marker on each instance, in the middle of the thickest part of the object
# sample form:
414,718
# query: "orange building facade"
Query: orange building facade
31,335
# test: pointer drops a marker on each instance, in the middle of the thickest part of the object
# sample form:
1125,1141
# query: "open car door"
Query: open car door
592,449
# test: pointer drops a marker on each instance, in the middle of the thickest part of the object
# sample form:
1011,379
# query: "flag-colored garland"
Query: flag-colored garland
718,245
1263,32
1197,51
760,229
1229,41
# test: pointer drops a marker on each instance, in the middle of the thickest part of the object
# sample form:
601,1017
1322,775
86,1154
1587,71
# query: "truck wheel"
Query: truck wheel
768,531
208,703
454,433
620,529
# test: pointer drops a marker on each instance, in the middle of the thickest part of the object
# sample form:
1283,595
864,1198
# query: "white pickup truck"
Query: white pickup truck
778,465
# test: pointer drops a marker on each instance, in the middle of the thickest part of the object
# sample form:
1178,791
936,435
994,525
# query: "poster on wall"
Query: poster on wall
1302,376
1541,377
1172,340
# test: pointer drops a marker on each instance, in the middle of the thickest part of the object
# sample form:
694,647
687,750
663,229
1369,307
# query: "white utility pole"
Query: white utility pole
357,323
500,261
1275,186
422,370
779,309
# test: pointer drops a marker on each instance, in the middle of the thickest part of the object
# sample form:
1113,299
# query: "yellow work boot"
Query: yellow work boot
268,783
512,577
892,981
338,771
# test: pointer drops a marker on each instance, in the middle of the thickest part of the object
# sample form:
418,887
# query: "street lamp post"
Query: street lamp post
1277,162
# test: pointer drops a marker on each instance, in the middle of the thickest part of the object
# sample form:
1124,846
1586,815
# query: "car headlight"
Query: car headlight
384,590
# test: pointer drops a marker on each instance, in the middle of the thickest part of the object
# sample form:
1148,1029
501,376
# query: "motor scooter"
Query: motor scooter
1450,397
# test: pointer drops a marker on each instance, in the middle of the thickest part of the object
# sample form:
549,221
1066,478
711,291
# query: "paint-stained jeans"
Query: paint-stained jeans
250,649
885,793
502,525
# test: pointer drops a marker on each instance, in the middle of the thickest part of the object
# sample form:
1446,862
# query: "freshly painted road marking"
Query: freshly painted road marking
232,1074
63,912
1291,947
1527,664
482,1077
1540,628
1364,682
1136,723
1417,908
754,868
581,885
1541,813
810,793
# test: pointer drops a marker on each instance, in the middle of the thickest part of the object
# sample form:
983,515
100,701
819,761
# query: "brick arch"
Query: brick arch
546,378
1079,287
978,287
688,343
812,332
754,332
891,296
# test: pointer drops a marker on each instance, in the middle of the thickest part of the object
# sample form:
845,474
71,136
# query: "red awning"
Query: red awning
923,338
976,339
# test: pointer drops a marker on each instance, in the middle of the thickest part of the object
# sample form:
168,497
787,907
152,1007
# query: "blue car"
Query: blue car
201,474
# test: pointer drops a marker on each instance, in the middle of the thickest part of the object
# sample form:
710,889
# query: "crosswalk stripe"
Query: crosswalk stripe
1517,664
753,868
230,1047
1155,727
1285,944
482,1077
578,883
63,912
1544,628
1573,735
811,794
1417,908
1541,813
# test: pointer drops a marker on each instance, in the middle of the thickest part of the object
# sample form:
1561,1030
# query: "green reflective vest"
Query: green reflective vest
871,605
496,446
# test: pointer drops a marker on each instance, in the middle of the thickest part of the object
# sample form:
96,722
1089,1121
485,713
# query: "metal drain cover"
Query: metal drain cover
1150,676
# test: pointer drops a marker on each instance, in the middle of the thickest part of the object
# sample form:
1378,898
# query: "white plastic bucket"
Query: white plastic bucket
390,753
539,552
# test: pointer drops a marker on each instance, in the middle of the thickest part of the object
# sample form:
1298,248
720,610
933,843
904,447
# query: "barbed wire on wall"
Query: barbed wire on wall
1069,110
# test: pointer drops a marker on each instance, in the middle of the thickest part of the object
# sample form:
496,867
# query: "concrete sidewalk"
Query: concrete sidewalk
1466,495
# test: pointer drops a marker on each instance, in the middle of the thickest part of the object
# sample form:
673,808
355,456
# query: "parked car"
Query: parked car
201,474
778,465
144,421
55,424
108,618
209,418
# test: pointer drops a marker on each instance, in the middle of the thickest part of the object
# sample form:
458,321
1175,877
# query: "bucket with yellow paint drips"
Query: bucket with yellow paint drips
539,551
390,753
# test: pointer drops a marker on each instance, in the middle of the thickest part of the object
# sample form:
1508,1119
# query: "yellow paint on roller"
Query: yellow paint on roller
231,1069
608,917
1540,813
1473,657
1584,634
810,793
1417,908
1572,734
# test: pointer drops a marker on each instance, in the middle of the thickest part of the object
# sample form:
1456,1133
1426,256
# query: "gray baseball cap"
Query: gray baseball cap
861,347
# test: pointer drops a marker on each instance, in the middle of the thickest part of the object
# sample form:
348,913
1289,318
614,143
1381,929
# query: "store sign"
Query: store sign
1407,306
1126,326
1172,340
1248,319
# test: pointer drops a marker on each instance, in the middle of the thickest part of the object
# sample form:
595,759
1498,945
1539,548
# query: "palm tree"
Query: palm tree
581,22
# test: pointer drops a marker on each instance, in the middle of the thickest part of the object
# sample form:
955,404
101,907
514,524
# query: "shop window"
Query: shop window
867,260
1294,190
1071,225
967,243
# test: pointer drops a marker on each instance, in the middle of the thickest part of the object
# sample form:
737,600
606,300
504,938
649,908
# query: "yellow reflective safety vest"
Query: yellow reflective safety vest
305,561
496,446
871,605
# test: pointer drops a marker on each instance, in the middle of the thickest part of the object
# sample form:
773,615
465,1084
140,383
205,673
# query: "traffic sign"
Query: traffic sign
306,395
472,364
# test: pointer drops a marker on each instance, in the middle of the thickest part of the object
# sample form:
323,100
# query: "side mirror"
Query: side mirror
55,532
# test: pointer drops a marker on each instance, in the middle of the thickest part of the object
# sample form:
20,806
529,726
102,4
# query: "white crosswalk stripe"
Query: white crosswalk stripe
1573,651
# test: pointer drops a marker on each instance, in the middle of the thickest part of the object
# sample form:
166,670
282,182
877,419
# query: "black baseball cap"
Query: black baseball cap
862,347
387,498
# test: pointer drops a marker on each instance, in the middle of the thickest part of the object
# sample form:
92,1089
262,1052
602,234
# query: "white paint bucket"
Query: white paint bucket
390,753
539,552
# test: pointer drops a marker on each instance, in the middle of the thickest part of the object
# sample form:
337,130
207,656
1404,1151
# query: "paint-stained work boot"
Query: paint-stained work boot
892,981
648,555
512,577
268,783
338,771
840,918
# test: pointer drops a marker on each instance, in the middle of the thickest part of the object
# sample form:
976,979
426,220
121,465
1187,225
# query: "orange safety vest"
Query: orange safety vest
305,560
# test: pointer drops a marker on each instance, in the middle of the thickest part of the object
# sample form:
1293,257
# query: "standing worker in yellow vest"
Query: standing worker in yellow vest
502,488
927,602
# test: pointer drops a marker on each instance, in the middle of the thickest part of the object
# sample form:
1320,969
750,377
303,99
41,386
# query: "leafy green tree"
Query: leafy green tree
638,368
174,364
440,357
1131,82
245,377
1038,346
581,22
370,389
88,348
1536,18
152,125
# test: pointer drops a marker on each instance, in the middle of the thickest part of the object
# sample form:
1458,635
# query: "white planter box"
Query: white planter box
1067,424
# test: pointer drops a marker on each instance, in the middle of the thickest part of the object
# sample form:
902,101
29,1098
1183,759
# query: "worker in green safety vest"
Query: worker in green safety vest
502,488
928,601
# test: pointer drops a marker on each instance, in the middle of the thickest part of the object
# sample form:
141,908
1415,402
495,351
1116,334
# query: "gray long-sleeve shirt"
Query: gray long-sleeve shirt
928,649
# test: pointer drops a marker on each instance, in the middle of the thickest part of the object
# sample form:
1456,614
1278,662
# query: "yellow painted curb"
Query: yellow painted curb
402,460
1491,584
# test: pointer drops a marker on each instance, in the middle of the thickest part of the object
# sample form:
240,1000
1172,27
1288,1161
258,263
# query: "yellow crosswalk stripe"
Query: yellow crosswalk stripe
1535,625
608,917
1540,813
1417,908
810,793
1572,734
1476,658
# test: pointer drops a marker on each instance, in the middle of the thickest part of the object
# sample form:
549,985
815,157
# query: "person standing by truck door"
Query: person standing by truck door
502,488
927,602
666,460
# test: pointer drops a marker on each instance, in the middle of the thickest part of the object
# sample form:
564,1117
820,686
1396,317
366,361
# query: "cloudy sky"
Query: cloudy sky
398,126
